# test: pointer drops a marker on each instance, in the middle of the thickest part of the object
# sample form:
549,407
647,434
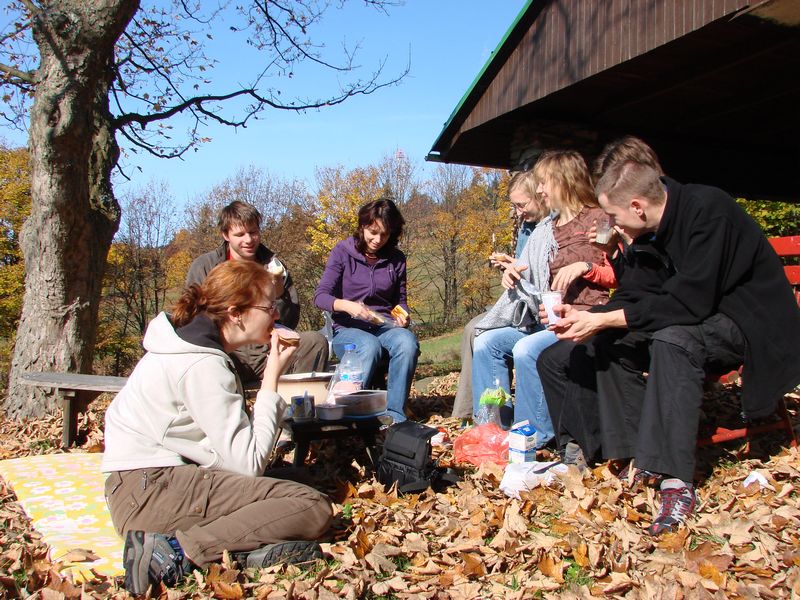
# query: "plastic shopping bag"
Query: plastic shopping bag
484,443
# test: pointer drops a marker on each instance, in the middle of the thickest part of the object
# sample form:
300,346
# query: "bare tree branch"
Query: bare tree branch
23,76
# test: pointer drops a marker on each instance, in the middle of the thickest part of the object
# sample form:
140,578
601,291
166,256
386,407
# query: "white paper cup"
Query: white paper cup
550,299
603,229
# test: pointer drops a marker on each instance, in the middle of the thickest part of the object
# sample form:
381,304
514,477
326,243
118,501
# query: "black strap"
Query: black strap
414,487
440,478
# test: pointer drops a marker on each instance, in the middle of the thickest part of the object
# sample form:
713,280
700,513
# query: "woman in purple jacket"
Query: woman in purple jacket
365,278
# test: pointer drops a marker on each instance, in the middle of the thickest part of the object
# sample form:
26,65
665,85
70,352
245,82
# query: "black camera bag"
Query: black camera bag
406,460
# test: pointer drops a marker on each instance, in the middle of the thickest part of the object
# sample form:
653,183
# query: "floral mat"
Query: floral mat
63,496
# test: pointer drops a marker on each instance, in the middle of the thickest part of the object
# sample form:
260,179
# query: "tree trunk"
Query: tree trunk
74,214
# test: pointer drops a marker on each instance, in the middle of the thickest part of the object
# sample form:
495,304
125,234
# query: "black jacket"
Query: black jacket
723,263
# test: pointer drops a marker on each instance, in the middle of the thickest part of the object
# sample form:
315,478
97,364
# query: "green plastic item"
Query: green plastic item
494,397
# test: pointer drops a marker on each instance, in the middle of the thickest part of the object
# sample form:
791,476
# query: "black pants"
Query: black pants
598,393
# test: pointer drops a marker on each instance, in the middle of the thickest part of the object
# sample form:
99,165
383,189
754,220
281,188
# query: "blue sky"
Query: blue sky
448,41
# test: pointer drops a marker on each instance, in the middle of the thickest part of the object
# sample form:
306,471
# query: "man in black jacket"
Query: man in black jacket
727,302
240,225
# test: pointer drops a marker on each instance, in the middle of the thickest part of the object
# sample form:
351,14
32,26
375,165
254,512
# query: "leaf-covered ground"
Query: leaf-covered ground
579,537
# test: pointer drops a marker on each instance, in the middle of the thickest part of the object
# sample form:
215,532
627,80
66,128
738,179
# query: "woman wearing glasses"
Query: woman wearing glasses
185,458
557,245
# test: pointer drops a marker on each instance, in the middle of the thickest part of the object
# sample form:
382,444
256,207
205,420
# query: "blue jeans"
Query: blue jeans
497,349
529,402
403,350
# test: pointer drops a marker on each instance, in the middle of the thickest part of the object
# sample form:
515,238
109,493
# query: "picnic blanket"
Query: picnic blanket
63,496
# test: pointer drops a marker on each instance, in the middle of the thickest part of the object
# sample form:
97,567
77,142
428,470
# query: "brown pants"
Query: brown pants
211,511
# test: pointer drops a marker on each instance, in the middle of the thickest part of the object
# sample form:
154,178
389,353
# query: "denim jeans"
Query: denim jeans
497,349
492,360
529,402
403,350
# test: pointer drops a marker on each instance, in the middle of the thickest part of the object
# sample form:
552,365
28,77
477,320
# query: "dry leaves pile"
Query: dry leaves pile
581,537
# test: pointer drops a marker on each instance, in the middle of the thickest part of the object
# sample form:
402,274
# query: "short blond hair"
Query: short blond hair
526,182
625,149
626,180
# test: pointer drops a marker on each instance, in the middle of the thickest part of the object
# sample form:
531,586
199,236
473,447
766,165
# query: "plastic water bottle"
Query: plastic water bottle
351,371
489,405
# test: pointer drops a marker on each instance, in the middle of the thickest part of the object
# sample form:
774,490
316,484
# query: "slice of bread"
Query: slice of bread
399,311
288,337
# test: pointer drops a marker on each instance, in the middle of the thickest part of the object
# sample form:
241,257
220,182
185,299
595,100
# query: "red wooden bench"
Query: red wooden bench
786,247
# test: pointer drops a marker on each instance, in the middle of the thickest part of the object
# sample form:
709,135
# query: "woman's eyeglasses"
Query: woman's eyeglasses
267,308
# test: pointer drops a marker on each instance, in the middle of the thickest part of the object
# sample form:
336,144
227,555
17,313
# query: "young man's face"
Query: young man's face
628,216
243,241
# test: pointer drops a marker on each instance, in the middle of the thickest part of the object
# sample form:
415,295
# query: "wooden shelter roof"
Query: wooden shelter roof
712,85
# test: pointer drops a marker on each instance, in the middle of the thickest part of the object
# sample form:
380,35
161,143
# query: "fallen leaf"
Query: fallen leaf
79,555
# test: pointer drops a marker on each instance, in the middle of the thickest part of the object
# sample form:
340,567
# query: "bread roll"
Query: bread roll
399,311
288,337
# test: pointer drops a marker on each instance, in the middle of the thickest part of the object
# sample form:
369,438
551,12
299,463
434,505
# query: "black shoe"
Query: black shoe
149,559
299,551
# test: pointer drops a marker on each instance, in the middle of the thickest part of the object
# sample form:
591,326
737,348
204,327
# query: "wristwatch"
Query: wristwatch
589,267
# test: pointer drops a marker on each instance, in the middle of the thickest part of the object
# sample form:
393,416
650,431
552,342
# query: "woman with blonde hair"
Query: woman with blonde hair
528,211
558,243
185,457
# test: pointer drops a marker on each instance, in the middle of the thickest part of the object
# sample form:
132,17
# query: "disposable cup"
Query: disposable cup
550,299
603,229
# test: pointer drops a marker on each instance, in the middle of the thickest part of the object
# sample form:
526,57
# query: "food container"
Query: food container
364,403
303,407
330,412
296,384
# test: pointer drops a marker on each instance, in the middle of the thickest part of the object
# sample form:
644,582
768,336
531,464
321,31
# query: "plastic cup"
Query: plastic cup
603,229
550,299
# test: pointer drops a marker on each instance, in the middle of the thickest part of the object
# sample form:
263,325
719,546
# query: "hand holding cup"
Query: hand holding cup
550,300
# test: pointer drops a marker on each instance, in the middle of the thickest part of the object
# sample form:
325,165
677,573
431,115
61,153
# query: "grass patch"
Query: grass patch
576,575
441,349
436,370
401,561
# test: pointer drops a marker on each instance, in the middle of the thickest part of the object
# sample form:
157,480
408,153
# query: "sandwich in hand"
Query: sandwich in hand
398,311
287,337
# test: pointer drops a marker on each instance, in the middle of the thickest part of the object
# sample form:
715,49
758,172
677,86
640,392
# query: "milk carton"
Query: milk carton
522,443
522,456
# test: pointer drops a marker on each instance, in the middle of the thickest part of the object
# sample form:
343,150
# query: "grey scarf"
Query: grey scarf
519,307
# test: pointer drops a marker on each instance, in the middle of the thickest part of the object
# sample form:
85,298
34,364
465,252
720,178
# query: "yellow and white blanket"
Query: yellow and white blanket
63,496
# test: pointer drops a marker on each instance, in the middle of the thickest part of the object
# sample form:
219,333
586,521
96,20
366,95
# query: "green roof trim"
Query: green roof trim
474,85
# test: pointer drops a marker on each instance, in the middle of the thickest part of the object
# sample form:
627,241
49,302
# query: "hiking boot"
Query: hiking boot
289,553
573,455
149,559
678,502
635,478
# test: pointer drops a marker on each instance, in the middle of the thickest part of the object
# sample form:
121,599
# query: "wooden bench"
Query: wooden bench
77,391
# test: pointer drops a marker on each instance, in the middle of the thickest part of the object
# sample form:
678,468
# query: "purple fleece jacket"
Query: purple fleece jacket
348,276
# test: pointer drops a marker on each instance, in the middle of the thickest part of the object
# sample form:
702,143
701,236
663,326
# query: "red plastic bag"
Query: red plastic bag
484,443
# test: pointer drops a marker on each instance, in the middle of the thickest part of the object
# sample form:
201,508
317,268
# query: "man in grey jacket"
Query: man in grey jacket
240,225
